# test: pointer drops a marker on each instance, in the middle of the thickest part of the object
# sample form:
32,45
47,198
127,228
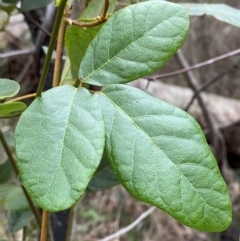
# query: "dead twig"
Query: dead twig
129,227
210,82
196,66
193,83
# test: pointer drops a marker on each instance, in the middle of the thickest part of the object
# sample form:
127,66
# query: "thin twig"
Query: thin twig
193,83
15,53
9,153
44,229
24,70
34,22
47,23
53,39
196,66
24,97
105,10
210,82
59,54
129,227
15,169
99,20
84,24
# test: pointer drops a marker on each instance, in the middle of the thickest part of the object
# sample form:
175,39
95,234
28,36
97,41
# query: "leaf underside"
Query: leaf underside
160,155
59,145
134,42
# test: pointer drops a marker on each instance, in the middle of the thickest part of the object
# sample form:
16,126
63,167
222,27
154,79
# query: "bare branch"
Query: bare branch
14,53
33,21
210,82
129,227
193,83
196,66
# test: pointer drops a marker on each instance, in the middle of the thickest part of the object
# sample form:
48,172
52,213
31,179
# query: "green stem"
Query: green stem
51,47
9,153
14,166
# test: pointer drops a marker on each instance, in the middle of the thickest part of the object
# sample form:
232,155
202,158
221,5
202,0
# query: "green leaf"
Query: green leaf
104,177
95,8
5,171
8,88
77,41
16,200
9,108
28,5
134,42
59,145
160,154
18,219
221,12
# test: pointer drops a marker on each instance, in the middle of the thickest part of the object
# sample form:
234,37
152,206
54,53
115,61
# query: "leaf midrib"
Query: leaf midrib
65,129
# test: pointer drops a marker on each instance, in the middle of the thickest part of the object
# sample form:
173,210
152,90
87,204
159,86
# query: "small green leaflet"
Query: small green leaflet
8,88
9,108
